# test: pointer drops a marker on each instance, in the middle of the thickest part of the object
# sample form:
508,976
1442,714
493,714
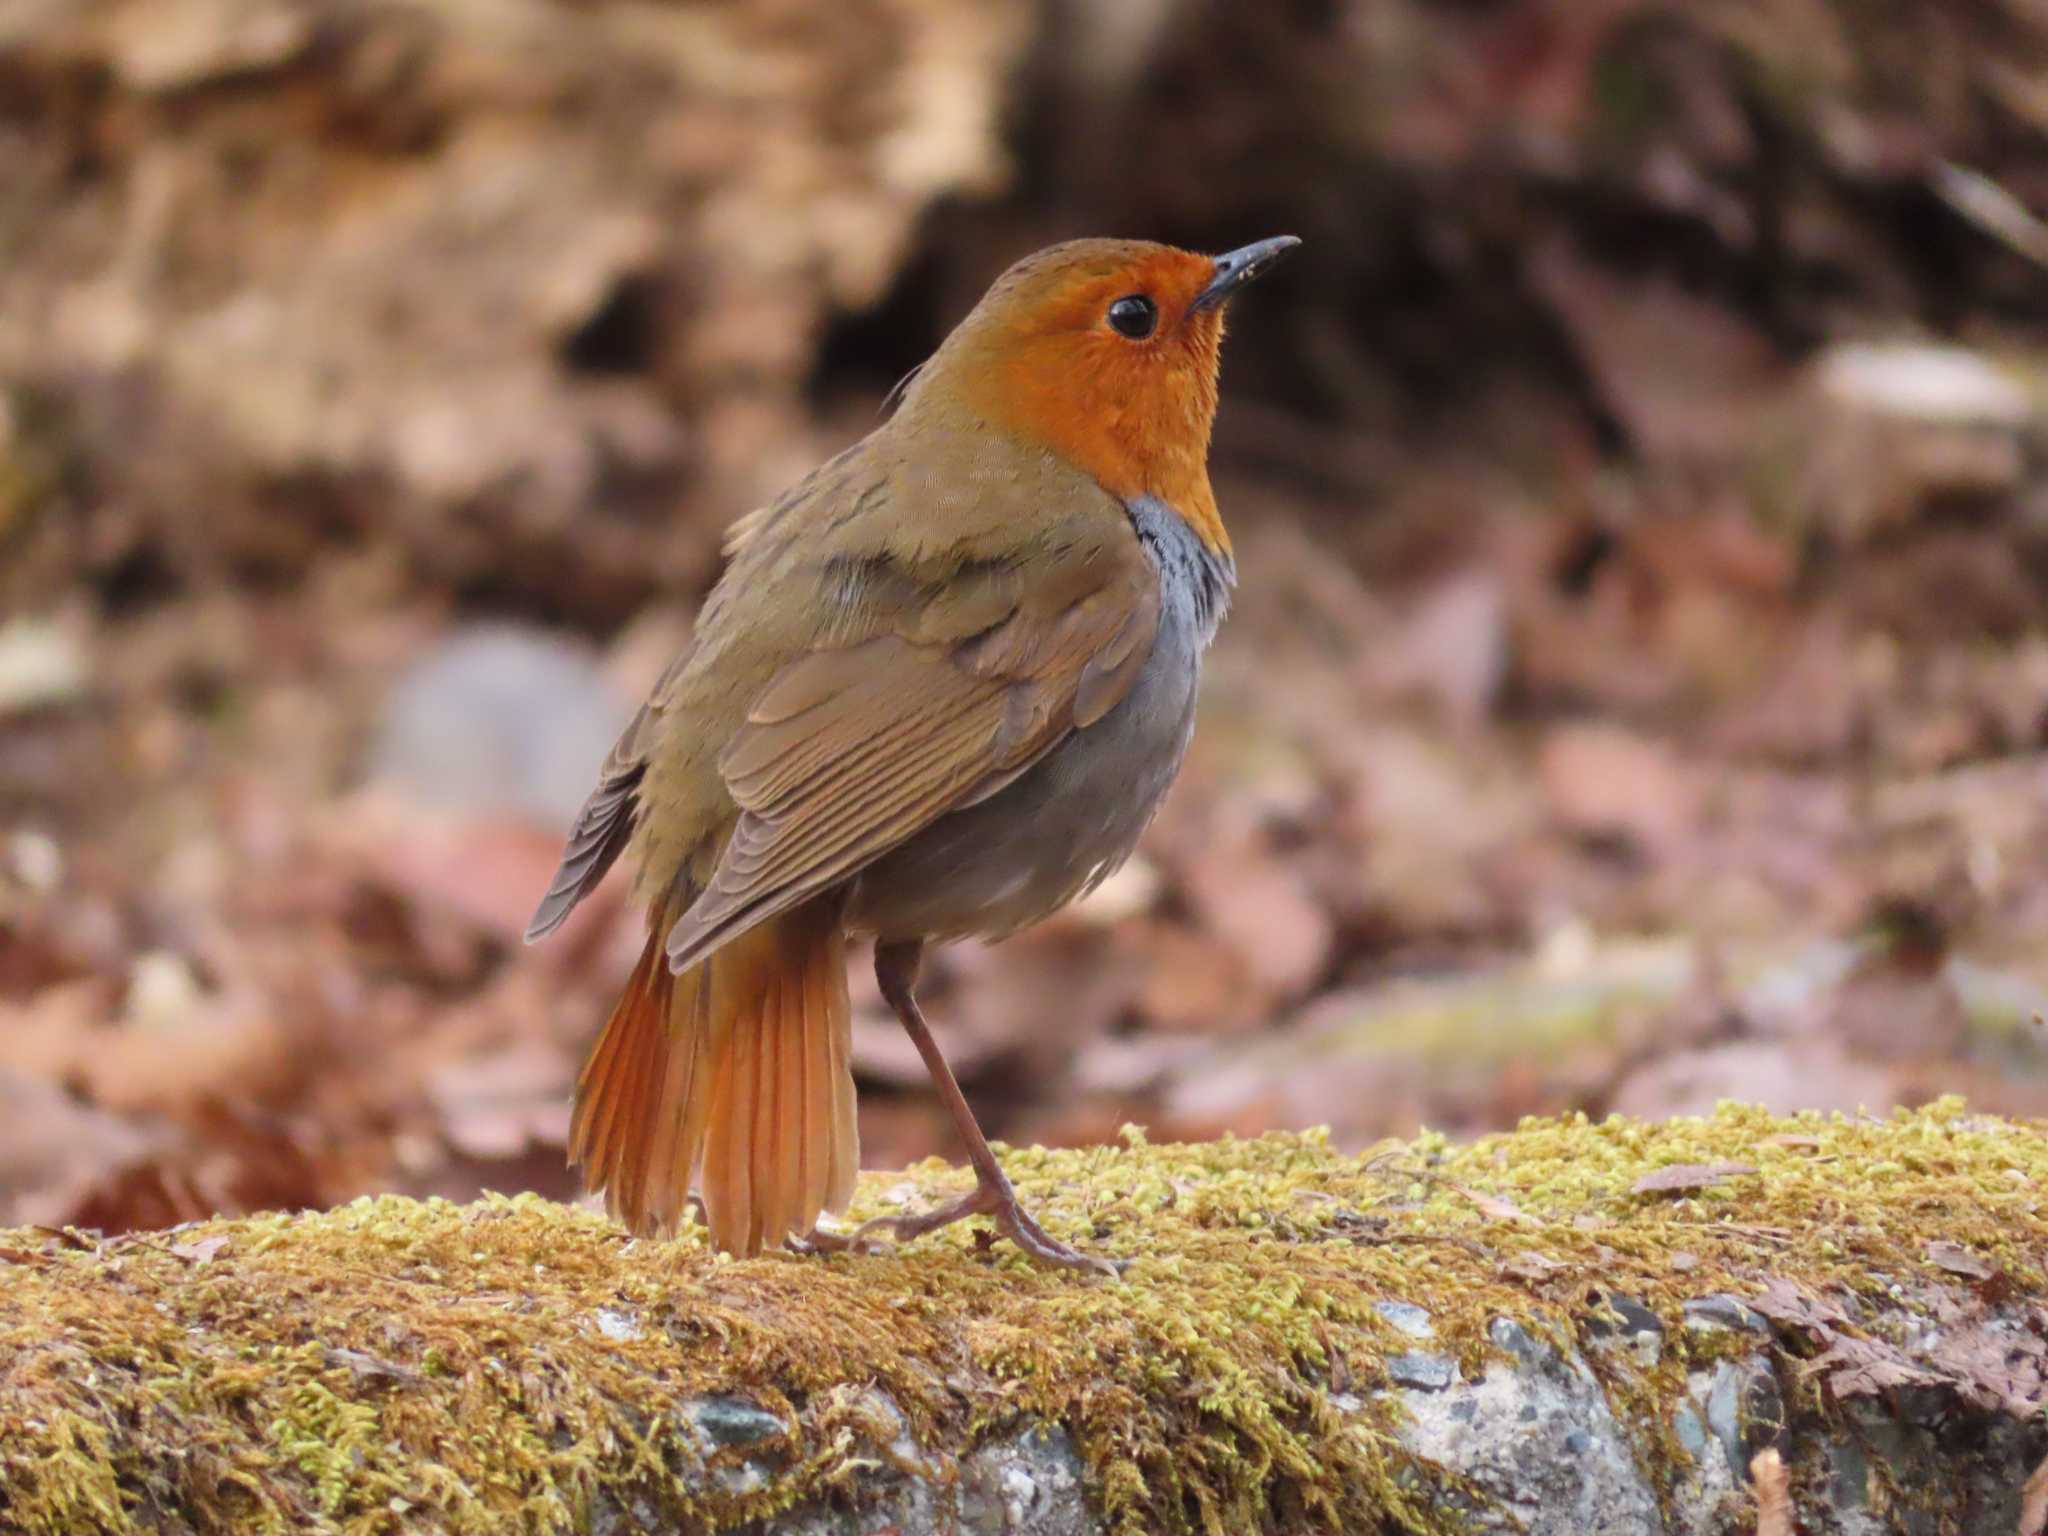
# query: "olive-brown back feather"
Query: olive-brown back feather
853,749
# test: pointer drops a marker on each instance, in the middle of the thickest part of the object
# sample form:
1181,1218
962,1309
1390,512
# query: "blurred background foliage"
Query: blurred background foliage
1638,693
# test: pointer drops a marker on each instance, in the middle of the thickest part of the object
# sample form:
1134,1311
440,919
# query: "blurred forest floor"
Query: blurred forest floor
1637,693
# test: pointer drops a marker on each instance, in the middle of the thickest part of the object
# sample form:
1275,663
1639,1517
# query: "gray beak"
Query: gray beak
1236,268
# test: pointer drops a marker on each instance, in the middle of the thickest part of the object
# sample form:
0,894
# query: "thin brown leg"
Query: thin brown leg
896,968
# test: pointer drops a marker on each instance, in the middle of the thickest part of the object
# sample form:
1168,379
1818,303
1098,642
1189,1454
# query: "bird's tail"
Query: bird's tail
737,1071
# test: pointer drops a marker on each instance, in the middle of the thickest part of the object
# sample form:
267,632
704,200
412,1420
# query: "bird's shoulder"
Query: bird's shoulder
936,543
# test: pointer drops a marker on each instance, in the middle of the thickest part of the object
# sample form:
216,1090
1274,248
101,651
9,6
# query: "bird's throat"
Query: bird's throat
1136,432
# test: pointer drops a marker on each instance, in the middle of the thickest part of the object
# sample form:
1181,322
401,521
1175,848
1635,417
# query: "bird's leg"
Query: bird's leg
896,968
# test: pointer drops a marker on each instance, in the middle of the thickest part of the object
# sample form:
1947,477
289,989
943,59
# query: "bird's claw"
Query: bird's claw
999,1202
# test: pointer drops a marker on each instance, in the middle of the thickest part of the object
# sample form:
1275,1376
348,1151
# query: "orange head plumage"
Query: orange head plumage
1105,352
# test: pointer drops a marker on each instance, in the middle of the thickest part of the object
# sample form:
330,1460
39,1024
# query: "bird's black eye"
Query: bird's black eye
1133,315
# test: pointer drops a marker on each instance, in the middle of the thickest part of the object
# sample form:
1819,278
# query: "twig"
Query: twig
1773,1493
1993,210
2034,1502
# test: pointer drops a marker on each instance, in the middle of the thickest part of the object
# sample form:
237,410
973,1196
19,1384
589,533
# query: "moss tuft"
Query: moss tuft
396,1364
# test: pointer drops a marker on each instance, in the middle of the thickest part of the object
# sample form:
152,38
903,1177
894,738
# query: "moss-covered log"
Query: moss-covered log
1573,1327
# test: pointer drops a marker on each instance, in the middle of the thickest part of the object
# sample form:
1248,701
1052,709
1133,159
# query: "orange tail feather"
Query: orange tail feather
738,1073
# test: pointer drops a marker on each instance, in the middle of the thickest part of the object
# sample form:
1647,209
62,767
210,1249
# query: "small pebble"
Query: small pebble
1430,1373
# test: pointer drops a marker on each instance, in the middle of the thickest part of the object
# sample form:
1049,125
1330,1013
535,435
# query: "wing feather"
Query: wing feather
605,825
603,828
852,749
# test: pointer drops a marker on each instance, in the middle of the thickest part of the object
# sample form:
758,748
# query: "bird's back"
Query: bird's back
930,530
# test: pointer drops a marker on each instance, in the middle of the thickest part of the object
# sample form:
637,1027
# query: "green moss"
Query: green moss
396,1364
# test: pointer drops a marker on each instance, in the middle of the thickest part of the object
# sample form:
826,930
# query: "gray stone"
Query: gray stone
618,1323
1023,1484
1692,1434
1625,1322
727,1421
1026,1485
1550,1423
1407,1317
499,718
1619,1314
1719,1311
1535,1433
1519,1342
1743,1409
1848,1484
42,664
1430,1373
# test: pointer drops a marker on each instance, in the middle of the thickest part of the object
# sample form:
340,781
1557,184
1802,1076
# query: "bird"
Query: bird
939,690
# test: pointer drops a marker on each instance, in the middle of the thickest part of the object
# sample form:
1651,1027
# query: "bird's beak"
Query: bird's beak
1236,268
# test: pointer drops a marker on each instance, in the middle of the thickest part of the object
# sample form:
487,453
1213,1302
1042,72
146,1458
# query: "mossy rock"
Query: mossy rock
1294,1347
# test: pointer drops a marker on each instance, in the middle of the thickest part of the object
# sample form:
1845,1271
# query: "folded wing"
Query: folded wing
853,748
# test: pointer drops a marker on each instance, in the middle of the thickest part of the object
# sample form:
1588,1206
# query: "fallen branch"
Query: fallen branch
1277,1358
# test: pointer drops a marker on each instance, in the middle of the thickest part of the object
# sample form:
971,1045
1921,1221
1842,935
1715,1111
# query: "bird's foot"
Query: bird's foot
995,1199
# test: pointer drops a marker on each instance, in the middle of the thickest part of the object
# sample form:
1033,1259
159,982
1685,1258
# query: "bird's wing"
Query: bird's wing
605,824
854,747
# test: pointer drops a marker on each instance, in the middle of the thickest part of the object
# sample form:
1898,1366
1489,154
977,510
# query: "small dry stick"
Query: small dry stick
1773,1493
2034,1502
1995,211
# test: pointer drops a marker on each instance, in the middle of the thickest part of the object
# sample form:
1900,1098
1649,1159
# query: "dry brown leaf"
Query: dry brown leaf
368,1367
1784,1075
201,1252
1681,1177
1782,1301
1773,1493
1531,1266
1192,984
1685,376
1255,903
1854,1367
1958,1260
1496,1207
2001,1370
63,1237
1603,781
497,1104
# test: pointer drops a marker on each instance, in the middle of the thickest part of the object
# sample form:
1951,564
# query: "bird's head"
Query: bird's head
1105,352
